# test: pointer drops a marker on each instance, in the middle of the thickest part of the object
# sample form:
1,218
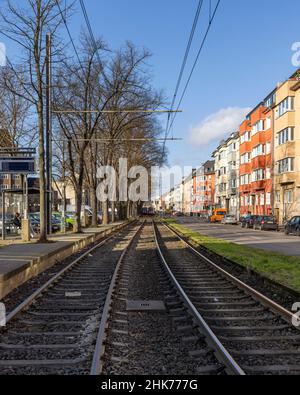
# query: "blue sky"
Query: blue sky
247,52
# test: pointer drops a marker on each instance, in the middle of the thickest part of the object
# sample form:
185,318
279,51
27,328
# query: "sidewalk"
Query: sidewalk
20,262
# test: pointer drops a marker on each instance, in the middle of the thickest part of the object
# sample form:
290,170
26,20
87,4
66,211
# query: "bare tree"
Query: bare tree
27,24
80,94
16,112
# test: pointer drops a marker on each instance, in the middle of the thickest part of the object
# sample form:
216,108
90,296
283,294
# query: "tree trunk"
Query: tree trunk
94,206
105,214
113,213
77,225
128,210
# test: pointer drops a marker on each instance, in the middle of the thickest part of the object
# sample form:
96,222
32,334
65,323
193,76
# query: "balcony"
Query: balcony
246,147
258,185
259,138
259,162
287,178
232,157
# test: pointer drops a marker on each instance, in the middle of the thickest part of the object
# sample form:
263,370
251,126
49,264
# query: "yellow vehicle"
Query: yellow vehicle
218,215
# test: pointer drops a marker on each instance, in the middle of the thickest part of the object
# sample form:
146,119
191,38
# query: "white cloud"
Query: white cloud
218,125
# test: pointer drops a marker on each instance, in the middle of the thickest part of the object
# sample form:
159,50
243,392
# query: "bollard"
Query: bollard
25,230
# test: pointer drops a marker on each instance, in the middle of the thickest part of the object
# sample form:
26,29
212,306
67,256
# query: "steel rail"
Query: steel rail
28,301
97,365
273,306
221,352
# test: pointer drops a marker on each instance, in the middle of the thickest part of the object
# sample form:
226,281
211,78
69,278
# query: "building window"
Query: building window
258,175
288,196
286,165
258,127
285,106
258,150
262,199
268,148
268,199
270,101
285,135
268,123
245,179
268,173
245,137
277,197
246,158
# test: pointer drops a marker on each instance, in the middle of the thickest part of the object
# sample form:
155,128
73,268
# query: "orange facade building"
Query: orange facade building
203,189
256,161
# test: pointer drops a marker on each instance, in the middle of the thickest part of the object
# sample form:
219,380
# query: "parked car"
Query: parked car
58,217
293,226
264,222
178,214
56,224
35,222
218,215
229,220
248,221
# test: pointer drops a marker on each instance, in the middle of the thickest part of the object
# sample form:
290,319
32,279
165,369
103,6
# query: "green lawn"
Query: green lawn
280,268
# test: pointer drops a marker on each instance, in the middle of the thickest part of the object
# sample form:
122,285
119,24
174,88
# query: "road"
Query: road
270,241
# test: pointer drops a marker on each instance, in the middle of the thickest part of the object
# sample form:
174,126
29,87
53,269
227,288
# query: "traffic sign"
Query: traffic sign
17,165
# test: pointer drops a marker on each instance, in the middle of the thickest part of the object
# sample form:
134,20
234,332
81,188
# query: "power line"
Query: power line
187,51
196,60
87,21
69,34
117,111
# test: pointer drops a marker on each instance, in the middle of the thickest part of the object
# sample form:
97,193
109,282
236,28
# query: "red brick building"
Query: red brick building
256,166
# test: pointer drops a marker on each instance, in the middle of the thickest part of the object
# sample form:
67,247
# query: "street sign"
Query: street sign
17,165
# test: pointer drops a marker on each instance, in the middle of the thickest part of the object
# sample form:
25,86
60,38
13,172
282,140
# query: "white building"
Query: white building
227,174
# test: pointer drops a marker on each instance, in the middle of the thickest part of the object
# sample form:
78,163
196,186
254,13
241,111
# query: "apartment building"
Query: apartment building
287,149
177,199
227,174
233,162
256,162
188,194
203,189
221,170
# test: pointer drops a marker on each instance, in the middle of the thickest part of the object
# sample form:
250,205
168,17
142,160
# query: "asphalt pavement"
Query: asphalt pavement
265,240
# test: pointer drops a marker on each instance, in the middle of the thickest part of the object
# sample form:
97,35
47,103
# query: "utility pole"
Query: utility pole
63,216
48,138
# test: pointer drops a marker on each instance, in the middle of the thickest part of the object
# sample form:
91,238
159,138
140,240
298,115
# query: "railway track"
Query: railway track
255,332
144,334
54,331
144,301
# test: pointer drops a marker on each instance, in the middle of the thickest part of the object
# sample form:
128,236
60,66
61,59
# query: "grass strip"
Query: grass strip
281,268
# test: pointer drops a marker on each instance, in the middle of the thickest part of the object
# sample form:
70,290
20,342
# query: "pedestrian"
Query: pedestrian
17,221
